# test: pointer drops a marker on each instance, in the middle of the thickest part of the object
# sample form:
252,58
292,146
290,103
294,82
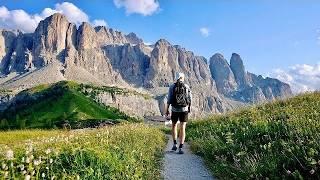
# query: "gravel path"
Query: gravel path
183,166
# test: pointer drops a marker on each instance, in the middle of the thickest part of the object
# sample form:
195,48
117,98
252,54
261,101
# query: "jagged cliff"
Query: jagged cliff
58,50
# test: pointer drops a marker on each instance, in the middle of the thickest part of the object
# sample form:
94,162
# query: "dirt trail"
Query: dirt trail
183,166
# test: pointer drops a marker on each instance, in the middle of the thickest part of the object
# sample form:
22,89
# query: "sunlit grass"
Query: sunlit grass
128,151
278,140
18,136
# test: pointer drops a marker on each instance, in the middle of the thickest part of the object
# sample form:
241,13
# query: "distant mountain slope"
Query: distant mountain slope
53,105
58,50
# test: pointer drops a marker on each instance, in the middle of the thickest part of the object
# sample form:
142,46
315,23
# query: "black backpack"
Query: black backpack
180,96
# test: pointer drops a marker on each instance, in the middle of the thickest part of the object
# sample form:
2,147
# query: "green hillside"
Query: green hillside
279,140
48,106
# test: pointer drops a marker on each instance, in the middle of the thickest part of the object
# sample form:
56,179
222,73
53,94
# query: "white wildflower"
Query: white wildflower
6,173
9,154
27,177
22,167
33,173
3,165
22,159
51,161
48,151
43,175
47,168
36,162
27,160
24,172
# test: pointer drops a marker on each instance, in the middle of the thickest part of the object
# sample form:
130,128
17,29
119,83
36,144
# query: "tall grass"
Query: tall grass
128,151
278,140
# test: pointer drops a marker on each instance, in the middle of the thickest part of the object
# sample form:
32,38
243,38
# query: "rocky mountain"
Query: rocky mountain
58,50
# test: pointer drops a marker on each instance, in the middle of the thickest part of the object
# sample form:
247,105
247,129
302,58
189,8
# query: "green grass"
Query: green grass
279,140
126,151
48,106
18,136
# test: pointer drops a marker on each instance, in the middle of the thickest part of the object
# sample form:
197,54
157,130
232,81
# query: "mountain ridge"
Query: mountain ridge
58,50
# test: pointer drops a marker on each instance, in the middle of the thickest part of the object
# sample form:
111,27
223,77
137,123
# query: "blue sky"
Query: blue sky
272,37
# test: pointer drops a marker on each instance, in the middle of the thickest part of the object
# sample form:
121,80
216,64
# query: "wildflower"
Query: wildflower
36,162
24,172
51,161
47,168
48,151
27,160
33,173
6,173
27,177
312,171
43,175
11,164
22,159
3,165
22,167
288,172
9,155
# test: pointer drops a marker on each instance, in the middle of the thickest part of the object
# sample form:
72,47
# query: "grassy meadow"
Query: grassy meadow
278,140
50,106
125,151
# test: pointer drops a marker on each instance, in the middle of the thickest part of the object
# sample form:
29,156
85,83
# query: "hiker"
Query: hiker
179,97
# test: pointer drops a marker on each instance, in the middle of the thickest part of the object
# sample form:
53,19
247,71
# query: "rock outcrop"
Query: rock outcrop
240,74
222,74
235,82
58,50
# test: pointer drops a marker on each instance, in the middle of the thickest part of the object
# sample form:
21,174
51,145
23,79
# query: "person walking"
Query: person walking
179,97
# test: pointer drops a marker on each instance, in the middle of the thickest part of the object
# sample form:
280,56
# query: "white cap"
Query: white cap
179,76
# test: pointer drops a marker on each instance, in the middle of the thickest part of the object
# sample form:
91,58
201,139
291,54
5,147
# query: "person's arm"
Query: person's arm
169,100
190,99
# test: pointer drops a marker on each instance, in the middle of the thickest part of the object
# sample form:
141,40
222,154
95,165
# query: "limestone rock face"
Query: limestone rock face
222,74
7,43
131,61
167,59
49,39
237,67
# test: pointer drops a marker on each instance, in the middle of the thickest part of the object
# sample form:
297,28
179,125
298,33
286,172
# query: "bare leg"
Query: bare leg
174,131
182,132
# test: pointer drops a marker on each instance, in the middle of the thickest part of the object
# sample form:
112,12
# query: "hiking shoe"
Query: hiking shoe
174,148
180,151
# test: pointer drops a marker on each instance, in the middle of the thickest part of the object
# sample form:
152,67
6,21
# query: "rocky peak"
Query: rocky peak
49,39
86,37
222,74
162,42
133,38
238,69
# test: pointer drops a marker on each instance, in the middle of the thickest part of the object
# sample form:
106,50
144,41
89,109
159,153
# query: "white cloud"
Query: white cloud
205,32
19,19
99,22
144,7
301,77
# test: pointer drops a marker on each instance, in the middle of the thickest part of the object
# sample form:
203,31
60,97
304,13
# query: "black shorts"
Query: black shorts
181,116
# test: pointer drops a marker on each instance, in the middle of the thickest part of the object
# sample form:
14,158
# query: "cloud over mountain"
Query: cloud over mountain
301,77
20,19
